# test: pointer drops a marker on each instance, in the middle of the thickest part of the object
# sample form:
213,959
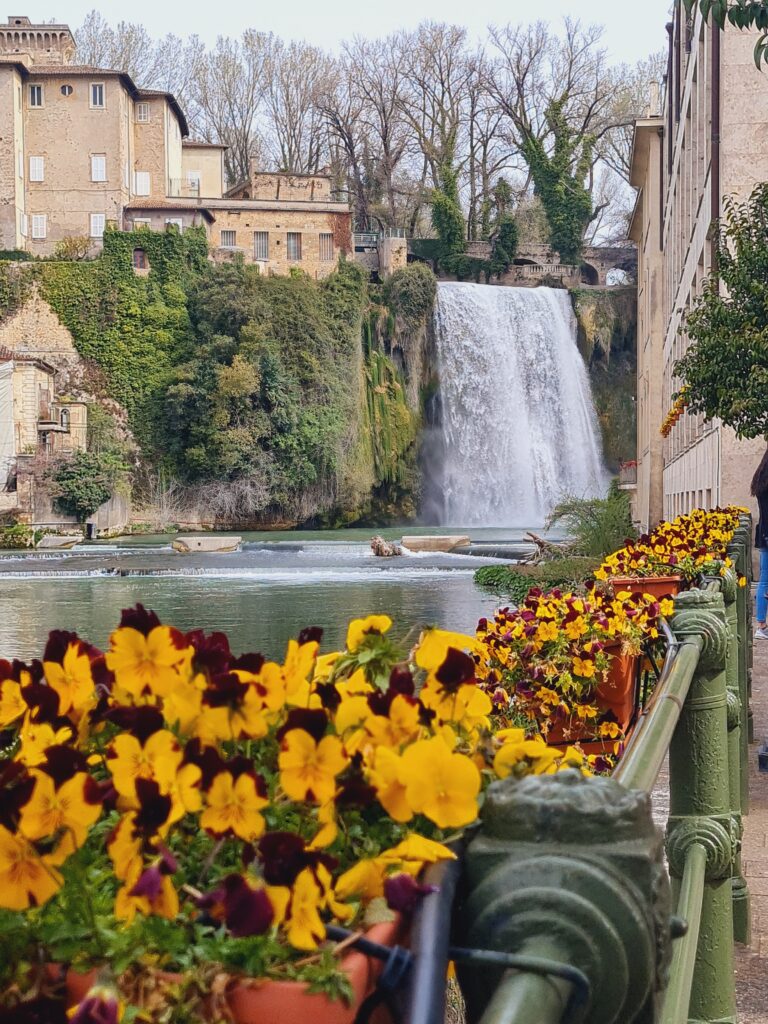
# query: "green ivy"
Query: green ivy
558,178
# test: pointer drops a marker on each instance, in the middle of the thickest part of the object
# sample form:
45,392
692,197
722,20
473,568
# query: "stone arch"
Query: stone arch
589,274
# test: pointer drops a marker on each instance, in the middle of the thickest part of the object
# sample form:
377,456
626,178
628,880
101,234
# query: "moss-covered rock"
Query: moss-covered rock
607,338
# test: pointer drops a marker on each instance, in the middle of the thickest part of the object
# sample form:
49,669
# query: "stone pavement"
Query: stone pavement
752,962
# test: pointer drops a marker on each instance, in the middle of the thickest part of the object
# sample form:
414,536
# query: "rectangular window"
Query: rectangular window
193,182
142,113
36,168
99,167
139,259
141,184
228,239
294,246
35,95
177,221
261,245
97,95
97,225
326,246
39,225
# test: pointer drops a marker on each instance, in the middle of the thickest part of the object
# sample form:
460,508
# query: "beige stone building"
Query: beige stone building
705,137
33,420
83,147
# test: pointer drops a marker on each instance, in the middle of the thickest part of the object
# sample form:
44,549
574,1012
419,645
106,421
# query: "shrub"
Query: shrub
85,482
75,248
513,582
410,293
597,526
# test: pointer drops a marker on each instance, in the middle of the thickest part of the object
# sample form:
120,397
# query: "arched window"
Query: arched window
64,419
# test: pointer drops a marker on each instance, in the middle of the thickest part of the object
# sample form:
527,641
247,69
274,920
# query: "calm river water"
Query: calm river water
261,596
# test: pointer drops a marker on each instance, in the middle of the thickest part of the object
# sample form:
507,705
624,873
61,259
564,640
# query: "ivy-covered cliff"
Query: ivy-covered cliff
269,401
607,337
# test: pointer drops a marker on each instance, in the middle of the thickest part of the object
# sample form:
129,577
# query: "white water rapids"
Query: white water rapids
519,429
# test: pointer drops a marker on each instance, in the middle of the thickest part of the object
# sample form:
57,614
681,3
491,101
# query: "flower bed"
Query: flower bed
188,822
169,807
691,546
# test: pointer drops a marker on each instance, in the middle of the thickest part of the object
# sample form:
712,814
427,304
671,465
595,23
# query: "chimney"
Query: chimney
654,105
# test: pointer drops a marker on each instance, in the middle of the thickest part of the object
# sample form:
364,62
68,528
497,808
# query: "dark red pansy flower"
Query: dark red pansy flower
43,702
62,762
142,722
16,785
329,696
139,618
212,653
208,760
103,678
401,681
247,911
312,634
482,624
100,1006
426,715
252,663
150,883
313,721
457,669
154,807
354,791
403,893
282,855
225,691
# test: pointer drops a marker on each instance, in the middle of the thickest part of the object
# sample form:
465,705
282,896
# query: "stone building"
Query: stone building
83,147
33,421
705,137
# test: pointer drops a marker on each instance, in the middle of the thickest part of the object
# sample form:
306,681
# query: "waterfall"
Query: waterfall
518,426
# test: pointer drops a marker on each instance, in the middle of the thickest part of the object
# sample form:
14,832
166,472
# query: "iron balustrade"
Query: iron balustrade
563,907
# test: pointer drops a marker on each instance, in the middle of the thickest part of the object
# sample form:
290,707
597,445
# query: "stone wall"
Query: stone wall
307,222
11,157
36,330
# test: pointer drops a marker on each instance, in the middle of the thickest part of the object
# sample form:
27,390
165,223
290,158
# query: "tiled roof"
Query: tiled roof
8,356
170,204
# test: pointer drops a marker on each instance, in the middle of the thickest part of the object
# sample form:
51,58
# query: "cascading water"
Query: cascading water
519,428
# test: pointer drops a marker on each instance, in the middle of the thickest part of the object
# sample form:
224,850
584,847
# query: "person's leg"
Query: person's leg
762,589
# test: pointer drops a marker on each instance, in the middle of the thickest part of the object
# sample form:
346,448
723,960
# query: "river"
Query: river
260,596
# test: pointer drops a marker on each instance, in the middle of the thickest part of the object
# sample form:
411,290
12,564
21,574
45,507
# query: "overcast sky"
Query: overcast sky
632,30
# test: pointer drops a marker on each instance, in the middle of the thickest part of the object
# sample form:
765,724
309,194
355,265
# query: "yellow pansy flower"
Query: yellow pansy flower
26,878
234,806
360,628
50,810
72,679
157,758
442,785
147,664
308,769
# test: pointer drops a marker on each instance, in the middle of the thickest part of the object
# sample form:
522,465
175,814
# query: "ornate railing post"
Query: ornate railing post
700,803
567,868
737,772
740,551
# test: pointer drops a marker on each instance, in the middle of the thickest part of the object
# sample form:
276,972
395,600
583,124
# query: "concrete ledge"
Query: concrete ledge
185,545
52,542
445,543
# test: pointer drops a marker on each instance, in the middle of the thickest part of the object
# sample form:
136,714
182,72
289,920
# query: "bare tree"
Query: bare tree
228,89
296,135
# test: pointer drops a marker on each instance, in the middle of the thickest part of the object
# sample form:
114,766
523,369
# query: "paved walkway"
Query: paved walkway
752,962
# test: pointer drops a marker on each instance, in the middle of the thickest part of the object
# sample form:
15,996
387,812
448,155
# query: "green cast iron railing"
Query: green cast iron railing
571,906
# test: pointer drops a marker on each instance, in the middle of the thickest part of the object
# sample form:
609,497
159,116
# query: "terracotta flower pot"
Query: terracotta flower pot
618,693
656,586
266,1001
283,1002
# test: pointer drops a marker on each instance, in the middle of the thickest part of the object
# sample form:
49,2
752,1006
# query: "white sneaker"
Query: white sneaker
761,634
